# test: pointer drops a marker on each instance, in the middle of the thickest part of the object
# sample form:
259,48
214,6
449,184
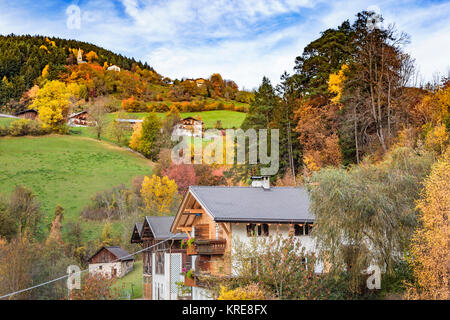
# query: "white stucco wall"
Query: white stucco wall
163,286
239,231
122,268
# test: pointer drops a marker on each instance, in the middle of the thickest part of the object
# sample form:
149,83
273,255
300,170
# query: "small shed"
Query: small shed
30,114
111,261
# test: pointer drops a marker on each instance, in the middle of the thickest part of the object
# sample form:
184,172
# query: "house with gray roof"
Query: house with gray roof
216,216
111,261
163,257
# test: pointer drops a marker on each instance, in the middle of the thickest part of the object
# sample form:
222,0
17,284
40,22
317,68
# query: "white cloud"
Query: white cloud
242,39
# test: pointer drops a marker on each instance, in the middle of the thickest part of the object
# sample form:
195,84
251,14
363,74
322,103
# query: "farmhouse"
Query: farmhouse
80,119
215,216
114,68
30,114
164,260
188,127
111,262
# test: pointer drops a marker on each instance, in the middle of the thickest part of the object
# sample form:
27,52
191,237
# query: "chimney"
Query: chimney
261,181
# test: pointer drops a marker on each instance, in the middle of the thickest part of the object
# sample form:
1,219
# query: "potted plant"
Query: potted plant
189,277
190,246
184,292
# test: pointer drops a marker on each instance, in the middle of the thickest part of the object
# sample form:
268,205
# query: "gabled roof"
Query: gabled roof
117,251
160,227
254,204
77,114
28,110
138,226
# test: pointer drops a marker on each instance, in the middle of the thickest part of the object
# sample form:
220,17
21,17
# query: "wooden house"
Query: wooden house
112,261
80,119
214,216
30,114
164,260
188,127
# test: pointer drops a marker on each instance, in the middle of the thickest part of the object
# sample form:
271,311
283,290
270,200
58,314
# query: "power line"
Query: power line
80,272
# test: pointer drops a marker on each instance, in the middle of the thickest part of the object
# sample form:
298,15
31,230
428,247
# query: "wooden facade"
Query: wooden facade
155,254
28,114
212,241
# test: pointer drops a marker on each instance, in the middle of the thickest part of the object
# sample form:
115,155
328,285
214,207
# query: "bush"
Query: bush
23,127
4,131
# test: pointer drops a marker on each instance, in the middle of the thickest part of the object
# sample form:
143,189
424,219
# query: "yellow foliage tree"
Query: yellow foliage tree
430,254
52,102
336,83
159,194
136,136
45,71
91,56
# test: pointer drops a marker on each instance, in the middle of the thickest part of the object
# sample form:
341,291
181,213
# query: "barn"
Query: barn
30,114
112,261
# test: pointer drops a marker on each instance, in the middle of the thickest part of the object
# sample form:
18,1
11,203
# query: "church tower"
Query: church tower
79,57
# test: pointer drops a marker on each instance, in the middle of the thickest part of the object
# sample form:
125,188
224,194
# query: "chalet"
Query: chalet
111,261
114,68
30,114
165,259
80,119
188,127
214,216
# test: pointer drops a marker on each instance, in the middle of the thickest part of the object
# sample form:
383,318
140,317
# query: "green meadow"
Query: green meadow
67,171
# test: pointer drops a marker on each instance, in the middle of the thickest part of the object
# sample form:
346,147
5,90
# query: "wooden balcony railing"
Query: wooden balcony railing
207,247
211,247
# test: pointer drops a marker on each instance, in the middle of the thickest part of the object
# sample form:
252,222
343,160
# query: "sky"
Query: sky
243,40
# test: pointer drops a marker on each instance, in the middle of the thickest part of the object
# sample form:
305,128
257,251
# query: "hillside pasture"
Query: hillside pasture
67,171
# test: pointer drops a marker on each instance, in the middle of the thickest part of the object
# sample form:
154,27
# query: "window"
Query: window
299,229
159,262
257,230
308,228
302,229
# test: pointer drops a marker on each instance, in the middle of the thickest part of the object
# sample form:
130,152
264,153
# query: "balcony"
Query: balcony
207,247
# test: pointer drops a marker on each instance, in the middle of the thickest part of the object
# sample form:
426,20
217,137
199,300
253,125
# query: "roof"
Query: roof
160,227
190,118
77,114
138,226
254,204
117,251
25,111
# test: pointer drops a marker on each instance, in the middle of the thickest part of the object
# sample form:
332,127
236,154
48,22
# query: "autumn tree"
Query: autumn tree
148,142
96,287
366,215
91,56
430,255
52,102
136,136
117,129
98,116
159,194
183,175
16,259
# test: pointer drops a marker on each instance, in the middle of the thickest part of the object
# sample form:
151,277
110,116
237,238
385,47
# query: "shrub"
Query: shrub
23,127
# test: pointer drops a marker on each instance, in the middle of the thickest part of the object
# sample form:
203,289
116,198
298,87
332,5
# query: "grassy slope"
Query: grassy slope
66,170
132,282
5,122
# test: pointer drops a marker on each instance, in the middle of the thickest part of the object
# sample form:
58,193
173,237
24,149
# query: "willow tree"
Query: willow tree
366,214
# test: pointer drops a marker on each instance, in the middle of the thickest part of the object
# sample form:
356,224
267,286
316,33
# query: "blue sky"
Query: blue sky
241,39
